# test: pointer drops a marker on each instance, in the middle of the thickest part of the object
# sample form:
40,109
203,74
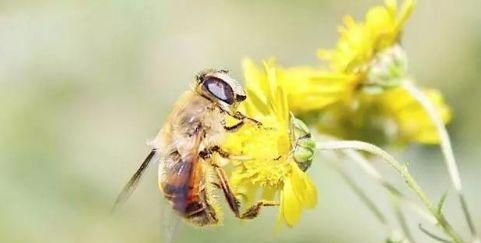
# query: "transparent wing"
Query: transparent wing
171,224
182,178
134,180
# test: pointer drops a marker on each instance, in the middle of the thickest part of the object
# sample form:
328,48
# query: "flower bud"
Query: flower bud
303,146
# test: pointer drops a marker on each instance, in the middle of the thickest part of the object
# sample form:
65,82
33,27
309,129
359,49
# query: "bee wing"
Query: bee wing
134,180
185,174
179,180
182,177
171,224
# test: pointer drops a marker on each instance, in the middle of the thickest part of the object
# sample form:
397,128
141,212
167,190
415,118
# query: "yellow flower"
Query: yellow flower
360,41
413,122
309,89
390,117
272,171
369,50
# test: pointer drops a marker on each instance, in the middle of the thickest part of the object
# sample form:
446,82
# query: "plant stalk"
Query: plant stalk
447,150
403,172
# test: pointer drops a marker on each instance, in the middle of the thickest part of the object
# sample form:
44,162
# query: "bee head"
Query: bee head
220,88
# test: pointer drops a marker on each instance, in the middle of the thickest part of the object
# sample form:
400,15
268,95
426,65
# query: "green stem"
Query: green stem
396,202
446,148
393,191
403,172
362,196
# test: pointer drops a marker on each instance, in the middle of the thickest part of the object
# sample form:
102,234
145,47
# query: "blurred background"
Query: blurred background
84,84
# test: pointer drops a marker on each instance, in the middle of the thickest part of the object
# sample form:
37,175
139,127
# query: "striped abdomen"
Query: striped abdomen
184,187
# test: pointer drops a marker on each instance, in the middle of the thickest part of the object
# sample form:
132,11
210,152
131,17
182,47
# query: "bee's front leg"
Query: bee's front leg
233,128
239,116
242,120
207,153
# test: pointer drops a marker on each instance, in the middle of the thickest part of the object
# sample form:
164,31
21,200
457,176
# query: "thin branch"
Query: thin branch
432,235
446,148
362,196
401,218
360,160
403,172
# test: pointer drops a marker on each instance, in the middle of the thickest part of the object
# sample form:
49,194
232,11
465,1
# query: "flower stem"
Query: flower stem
446,148
396,202
403,171
363,196
395,192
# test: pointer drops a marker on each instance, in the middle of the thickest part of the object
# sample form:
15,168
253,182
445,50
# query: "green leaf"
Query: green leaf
441,202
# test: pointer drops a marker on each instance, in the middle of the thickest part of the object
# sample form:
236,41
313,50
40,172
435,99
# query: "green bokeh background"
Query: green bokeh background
84,84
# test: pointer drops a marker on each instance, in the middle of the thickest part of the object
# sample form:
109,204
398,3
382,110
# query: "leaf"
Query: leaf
441,202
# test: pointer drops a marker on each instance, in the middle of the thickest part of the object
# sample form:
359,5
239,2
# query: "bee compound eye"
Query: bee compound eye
220,90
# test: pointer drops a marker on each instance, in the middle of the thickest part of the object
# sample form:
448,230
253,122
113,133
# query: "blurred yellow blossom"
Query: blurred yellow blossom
413,122
272,168
360,41
366,70
390,117
308,89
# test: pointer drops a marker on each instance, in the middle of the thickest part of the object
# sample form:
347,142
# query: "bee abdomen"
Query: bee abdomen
190,206
201,214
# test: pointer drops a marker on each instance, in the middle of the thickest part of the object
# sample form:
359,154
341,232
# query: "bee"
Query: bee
188,174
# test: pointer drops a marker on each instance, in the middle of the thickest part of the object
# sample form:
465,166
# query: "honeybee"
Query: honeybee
184,147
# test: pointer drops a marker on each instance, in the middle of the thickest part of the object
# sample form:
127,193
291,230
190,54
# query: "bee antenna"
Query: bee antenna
201,75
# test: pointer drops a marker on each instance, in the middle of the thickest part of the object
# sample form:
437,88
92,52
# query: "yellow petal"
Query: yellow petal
414,124
290,208
391,6
405,13
303,187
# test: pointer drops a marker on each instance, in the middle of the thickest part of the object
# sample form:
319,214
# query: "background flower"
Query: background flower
308,88
358,96
360,41
389,118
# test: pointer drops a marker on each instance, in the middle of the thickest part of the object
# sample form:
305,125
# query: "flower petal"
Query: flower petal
290,206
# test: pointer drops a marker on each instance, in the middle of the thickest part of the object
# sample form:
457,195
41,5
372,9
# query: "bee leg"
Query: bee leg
234,204
217,185
226,155
242,119
239,116
253,211
207,153
235,127
229,195
223,183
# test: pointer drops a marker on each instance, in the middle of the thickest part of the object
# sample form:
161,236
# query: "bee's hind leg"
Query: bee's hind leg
253,211
224,185
234,204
